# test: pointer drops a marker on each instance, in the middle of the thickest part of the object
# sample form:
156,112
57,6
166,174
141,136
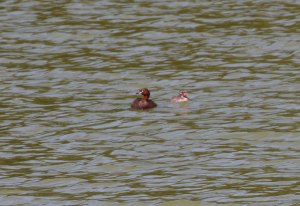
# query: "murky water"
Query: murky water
69,71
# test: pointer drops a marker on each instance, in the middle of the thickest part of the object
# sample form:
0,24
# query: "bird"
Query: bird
145,102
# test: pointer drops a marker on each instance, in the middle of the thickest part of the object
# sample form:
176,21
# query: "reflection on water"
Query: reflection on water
69,71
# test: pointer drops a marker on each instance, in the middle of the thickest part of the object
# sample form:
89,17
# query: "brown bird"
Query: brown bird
145,102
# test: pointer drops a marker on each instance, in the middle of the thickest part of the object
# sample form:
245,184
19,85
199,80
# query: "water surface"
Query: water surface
69,71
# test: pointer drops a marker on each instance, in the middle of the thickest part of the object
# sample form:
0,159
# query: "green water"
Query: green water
69,71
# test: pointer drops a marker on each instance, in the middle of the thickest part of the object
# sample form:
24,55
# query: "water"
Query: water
69,71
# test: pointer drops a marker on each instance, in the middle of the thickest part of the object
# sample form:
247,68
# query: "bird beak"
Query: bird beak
137,93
